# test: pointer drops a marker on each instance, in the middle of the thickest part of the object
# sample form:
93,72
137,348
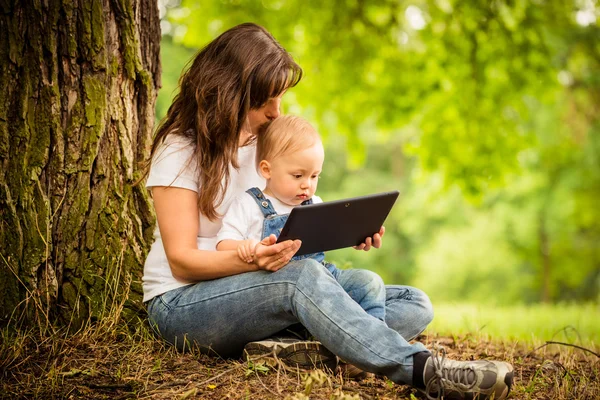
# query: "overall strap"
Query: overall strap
263,203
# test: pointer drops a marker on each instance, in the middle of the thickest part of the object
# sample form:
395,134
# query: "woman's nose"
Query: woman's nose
272,111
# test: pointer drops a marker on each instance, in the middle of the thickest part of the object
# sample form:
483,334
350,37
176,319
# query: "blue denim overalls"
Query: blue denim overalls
364,287
273,223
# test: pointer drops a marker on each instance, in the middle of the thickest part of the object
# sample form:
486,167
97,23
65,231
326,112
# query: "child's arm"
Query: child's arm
228,244
236,228
245,248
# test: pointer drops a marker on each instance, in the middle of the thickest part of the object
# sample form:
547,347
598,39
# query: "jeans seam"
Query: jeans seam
169,307
228,293
348,333
408,299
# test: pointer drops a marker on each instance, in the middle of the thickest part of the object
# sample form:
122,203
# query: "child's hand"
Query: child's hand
376,241
272,256
246,250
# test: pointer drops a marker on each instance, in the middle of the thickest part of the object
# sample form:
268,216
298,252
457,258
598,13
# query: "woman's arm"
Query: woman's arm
177,213
228,244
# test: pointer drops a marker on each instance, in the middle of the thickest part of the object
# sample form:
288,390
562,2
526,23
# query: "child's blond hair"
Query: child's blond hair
285,135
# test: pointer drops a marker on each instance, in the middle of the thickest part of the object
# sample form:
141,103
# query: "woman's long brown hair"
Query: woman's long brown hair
238,71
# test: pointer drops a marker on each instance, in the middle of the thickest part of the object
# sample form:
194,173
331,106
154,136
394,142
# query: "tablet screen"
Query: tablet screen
337,224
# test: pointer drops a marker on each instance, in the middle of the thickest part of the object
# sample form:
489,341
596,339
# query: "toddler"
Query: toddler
290,157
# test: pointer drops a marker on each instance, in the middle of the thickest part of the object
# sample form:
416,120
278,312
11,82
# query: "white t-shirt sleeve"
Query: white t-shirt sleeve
173,165
236,221
316,199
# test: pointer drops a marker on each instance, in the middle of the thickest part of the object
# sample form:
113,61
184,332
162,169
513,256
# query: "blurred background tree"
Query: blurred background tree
485,115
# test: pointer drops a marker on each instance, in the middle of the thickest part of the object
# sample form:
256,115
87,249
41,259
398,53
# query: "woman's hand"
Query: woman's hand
376,241
271,256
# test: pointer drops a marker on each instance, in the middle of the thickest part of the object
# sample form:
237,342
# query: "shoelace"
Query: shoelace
447,378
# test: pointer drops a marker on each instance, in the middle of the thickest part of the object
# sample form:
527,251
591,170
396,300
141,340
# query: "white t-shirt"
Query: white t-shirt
173,165
244,219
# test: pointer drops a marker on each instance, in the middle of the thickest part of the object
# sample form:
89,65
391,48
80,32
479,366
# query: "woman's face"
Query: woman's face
269,111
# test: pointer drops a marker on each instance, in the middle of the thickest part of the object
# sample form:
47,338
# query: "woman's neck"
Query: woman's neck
244,136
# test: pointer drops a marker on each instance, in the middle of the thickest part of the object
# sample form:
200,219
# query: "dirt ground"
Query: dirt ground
139,367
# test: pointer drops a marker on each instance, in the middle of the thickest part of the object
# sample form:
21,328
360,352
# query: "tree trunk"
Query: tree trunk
78,82
544,249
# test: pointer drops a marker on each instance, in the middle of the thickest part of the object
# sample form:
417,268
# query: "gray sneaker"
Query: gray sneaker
450,379
293,352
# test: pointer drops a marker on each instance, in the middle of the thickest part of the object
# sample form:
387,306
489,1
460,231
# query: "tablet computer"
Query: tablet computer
337,224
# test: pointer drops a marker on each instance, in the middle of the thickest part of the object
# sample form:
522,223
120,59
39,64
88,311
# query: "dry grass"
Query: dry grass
105,361
109,359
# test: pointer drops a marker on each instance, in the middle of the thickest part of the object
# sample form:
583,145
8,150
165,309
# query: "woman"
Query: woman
202,158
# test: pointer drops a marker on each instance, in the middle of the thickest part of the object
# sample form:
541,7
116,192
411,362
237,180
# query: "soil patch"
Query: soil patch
137,366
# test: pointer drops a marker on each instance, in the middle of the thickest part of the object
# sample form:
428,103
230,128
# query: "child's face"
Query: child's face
293,178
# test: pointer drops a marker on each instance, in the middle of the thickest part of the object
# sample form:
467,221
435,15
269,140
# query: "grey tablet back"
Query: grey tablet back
337,224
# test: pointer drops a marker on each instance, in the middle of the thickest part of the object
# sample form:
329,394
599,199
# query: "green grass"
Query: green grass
569,323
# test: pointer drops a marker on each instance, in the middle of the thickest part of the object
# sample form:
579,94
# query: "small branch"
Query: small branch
201,384
231,370
355,390
266,388
566,331
574,345
111,386
549,342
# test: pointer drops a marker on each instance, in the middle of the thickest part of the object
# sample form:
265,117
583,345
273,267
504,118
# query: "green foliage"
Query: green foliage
257,368
483,114
459,72
569,323
173,60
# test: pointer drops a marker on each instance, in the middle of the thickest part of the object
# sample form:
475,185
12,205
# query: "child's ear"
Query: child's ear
265,169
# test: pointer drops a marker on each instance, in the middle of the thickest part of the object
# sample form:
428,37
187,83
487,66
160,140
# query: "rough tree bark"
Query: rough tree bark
78,82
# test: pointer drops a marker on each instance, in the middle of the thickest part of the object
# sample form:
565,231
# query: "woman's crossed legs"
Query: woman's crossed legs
224,314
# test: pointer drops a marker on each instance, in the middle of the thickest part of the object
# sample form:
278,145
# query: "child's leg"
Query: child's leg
364,287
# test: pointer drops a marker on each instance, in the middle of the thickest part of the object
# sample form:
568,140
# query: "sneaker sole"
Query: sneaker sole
305,355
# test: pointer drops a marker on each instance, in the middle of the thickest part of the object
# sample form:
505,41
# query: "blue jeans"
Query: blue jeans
363,286
222,315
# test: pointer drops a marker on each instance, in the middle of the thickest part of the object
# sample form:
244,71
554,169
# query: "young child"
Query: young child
290,155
